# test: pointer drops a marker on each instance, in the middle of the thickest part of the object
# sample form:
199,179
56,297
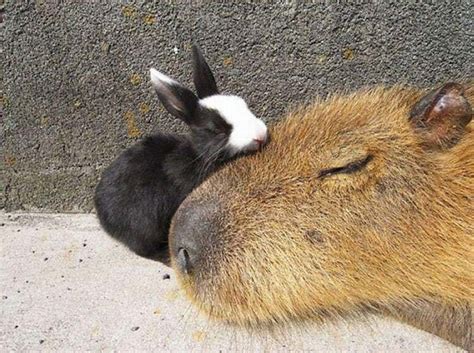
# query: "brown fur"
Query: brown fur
279,244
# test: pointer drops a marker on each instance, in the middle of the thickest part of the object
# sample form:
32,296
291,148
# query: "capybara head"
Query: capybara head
359,201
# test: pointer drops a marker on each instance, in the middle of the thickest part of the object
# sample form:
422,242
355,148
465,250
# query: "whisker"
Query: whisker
206,165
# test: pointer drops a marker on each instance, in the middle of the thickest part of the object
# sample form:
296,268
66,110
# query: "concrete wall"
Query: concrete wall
75,87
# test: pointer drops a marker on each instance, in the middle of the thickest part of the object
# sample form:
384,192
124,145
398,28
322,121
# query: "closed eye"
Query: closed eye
349,168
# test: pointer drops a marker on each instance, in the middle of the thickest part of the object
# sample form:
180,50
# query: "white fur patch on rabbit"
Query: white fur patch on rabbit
247,129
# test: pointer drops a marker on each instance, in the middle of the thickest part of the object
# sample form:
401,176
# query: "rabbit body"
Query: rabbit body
140,191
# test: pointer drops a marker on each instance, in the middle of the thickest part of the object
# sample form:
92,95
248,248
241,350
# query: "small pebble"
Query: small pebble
16,326
166,276
45,259
80,260
41,341
84,245
4,297
33,251
135,328
3,224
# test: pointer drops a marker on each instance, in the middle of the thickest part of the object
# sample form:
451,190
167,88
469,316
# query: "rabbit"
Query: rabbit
140,191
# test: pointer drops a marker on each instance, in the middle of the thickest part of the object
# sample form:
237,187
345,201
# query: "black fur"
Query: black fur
140,191
203,78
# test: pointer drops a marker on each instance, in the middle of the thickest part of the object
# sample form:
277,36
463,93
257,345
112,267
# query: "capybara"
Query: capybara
360,202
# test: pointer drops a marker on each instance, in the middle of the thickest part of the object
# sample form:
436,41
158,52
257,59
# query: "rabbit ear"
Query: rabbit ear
177,99
203,79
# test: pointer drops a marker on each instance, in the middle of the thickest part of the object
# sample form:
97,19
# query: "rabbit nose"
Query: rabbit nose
260,141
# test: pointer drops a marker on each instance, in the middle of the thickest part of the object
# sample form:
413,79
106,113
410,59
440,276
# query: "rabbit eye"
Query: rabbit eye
217,126
349,168
214,131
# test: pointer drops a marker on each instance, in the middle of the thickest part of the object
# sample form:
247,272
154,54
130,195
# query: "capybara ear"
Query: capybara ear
442,115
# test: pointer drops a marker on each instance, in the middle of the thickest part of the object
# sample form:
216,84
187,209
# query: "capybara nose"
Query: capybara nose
184,261
192,233
185,244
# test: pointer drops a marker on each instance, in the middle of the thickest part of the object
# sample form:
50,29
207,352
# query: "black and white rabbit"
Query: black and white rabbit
140,191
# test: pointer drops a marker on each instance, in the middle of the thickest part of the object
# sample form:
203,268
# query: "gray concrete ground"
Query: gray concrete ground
65,285
74,74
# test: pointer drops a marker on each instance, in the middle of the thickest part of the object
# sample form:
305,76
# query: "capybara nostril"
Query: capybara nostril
192,235
183,261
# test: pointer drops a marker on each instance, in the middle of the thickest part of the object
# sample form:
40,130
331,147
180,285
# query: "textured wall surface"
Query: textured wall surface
75,89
